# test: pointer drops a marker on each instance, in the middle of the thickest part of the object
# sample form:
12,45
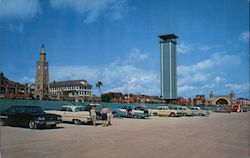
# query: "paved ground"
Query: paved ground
217,136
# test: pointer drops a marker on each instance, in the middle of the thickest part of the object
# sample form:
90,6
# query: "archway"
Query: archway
222,101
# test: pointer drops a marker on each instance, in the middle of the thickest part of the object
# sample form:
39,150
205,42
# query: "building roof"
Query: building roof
168,36
70,83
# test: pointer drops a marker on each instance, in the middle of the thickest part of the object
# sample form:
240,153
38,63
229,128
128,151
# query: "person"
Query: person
109,115
104,116
93,115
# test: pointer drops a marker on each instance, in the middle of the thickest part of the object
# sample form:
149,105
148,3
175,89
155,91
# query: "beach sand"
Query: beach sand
221,135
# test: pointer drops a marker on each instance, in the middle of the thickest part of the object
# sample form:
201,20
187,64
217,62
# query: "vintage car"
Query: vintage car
74,114
197,111
29,116
170,111
131,111
185,111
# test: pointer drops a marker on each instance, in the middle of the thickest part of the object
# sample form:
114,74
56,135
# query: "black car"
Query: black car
29,116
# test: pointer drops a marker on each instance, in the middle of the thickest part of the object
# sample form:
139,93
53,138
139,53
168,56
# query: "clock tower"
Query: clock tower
42,77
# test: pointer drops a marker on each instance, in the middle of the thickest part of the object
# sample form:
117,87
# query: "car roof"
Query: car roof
72,106
26,106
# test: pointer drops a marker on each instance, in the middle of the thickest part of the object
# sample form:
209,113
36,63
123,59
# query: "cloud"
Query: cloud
183,48
116,76
20,9
244,36
27,79
92,9
207,75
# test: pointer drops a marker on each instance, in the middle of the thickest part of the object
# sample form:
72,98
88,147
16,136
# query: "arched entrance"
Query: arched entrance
222,101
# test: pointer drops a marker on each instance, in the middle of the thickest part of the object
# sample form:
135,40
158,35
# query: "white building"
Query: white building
75,89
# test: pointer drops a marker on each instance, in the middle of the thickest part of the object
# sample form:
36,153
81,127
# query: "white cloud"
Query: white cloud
20,9
183,48
92,9
206,75
244,36
27,79
208,64
116,77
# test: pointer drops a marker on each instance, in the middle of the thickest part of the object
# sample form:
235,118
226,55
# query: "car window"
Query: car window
79,109
19,109
70,109
170,108
11,109
63,109
33,110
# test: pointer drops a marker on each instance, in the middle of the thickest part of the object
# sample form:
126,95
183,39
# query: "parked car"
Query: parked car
198,111
223,110
170,111
131,111
185,111
29,116
74,114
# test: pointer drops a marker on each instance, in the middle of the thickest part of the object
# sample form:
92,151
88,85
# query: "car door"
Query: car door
16,116
64,113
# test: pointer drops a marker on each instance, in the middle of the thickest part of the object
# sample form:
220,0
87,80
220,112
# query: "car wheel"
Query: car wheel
32,124
77,122
2,122
155,114
172,115
115,114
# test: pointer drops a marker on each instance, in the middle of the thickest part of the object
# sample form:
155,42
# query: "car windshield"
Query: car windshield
33,109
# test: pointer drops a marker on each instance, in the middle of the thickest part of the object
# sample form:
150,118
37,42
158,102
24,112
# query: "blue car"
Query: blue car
131,112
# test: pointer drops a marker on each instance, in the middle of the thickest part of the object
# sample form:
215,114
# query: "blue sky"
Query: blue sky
116,42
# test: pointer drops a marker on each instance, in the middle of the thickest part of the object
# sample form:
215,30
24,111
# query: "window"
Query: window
70,110
64,109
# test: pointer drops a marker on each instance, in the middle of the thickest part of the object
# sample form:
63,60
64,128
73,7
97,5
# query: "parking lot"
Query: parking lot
221,135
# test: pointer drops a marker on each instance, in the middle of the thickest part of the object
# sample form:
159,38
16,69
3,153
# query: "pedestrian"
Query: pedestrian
93,115
104,116
109,116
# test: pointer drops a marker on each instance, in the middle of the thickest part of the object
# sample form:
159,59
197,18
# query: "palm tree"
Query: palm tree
99,85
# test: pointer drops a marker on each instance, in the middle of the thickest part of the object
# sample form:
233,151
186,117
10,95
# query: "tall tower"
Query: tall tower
168,66
42,77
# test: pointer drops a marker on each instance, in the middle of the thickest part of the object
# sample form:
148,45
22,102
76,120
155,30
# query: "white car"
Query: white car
185,111
168,111
75,114
198,111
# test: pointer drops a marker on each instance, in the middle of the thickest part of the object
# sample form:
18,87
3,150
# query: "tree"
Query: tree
99,85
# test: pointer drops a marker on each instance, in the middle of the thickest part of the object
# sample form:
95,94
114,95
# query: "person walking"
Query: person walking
104,116
93,116
109,116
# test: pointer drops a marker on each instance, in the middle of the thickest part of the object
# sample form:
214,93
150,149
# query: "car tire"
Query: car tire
155,114
3,122
115,114
172,115
77,122
32,124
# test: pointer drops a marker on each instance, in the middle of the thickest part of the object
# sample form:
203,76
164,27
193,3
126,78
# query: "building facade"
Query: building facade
42,77
71,90
226,100
168,66
11,89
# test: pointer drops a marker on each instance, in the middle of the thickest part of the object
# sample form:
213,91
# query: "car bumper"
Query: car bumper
48,123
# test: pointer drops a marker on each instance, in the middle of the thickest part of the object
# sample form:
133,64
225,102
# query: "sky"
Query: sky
116,42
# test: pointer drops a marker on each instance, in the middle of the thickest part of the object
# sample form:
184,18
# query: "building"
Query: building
226,100
71,90
11,89
42,77
200,100
168,66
